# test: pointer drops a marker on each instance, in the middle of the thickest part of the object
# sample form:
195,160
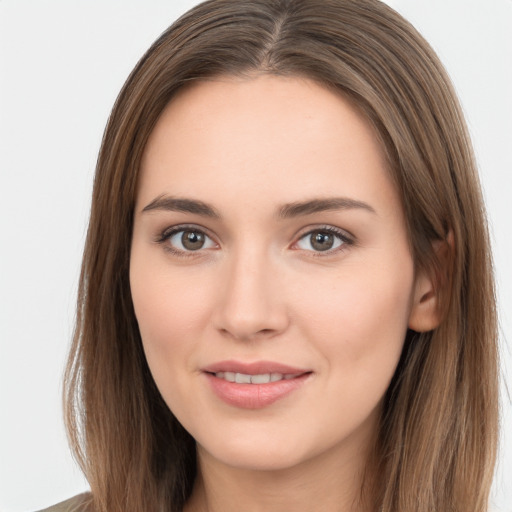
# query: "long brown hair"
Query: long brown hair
437,439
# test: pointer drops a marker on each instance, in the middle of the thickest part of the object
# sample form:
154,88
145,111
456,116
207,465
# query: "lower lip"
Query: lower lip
254,396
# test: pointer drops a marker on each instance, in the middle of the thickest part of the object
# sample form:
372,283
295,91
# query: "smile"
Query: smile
262,378
254,385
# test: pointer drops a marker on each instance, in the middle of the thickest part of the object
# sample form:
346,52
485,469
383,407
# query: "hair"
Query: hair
437,438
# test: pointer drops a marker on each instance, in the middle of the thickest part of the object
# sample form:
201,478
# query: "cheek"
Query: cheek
170,312
358,326
360,320
171,317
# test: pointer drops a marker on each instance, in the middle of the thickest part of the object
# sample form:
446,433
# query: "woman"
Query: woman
286,299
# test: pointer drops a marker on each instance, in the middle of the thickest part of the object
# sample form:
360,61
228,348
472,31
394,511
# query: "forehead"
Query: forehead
259,135
278,104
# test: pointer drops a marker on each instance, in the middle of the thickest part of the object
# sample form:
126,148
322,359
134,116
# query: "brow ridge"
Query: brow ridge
289,210
178,204
300,208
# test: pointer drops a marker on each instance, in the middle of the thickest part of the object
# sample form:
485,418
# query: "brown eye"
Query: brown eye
322,240
192,240
187,240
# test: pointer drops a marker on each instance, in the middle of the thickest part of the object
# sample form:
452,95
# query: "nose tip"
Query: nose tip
250,305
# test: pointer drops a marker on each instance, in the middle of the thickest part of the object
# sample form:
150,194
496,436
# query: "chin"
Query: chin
258,454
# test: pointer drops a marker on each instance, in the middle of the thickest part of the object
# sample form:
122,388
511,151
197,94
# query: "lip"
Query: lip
253,368
254,396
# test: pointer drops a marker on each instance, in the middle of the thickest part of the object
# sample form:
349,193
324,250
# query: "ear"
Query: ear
426,312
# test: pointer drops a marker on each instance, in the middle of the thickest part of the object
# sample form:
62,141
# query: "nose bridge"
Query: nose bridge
250,304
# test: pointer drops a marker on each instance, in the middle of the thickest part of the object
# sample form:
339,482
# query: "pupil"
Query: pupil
192,240
322,241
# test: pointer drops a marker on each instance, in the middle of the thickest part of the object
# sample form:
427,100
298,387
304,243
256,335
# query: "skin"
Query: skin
258,290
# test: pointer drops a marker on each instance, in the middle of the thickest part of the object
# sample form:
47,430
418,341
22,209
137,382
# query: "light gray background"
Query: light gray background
62,64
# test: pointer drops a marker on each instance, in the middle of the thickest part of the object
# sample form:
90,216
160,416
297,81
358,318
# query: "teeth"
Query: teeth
260,379
243,378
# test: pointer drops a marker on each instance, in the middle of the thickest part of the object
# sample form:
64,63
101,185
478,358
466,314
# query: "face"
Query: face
270,249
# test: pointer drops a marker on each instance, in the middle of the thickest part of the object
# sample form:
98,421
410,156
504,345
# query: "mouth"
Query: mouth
261,378
254,385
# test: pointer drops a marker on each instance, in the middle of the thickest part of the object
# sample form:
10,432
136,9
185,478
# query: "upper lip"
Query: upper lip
254,368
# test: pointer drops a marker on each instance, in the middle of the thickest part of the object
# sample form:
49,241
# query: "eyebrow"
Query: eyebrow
287,211
176,204
298,209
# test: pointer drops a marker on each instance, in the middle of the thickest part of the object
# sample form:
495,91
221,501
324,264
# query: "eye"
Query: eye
322,240
179,240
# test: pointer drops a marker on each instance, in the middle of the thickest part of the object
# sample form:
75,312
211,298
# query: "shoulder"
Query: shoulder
80,503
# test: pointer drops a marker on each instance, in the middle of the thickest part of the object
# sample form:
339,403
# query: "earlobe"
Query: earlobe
426,311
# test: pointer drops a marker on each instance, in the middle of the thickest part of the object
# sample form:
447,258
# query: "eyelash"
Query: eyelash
345,239
168,233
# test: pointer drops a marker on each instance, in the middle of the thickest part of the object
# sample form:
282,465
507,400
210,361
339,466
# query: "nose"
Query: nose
251,300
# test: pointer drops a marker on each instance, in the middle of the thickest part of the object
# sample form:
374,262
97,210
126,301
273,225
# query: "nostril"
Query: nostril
265,331
247,334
